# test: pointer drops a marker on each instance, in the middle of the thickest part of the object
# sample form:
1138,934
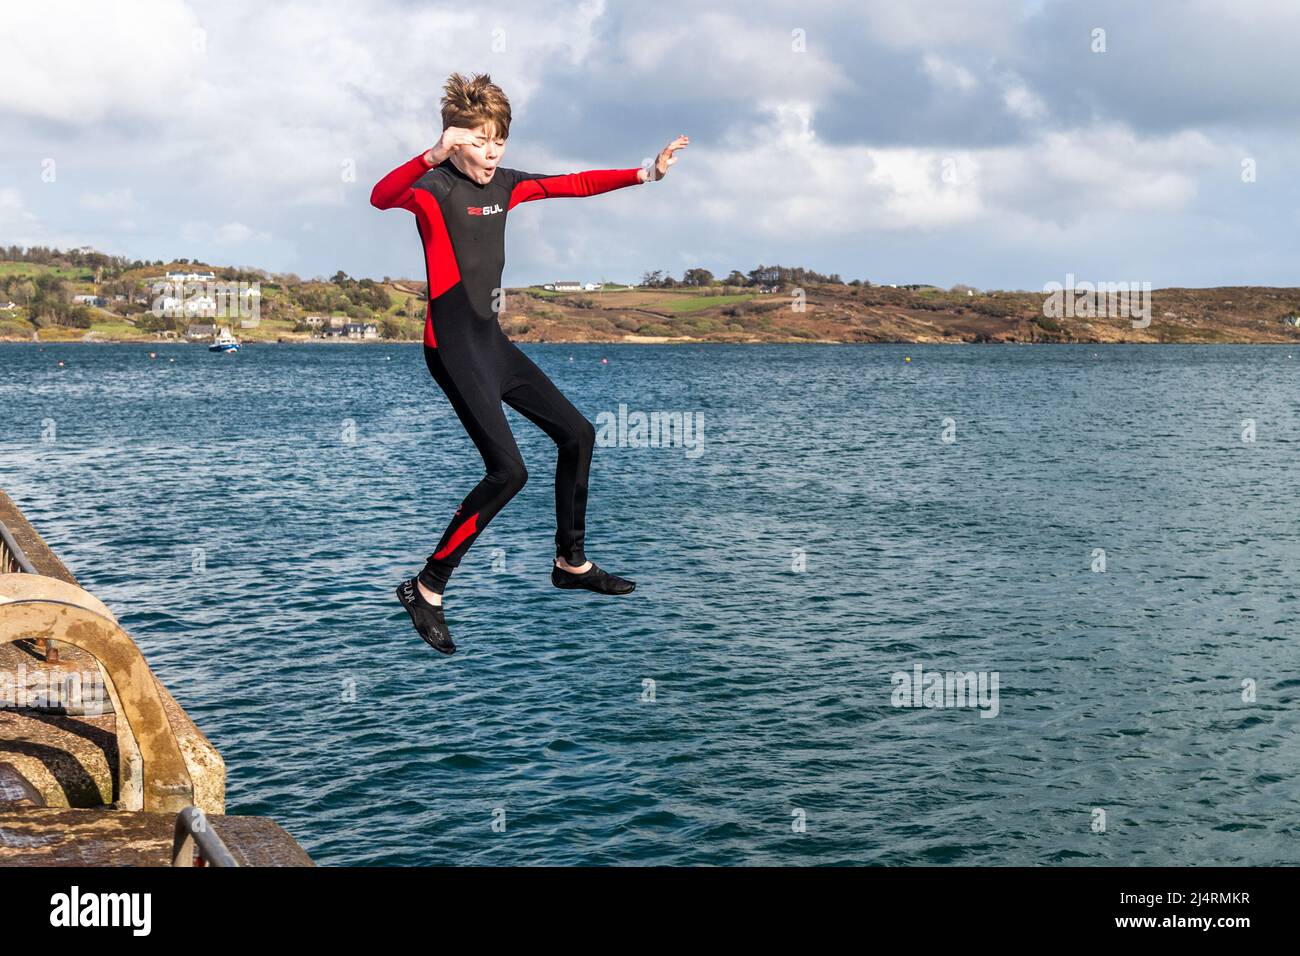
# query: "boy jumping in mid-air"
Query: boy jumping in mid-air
460,196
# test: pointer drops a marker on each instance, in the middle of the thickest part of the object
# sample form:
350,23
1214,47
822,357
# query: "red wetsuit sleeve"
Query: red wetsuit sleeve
395,188
589,183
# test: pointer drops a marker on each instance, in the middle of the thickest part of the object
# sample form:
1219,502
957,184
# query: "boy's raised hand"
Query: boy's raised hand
665,159
453,137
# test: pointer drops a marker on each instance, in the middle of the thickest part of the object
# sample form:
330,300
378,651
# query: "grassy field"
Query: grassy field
109,329
670,301
551,293
14,326
34,269
698,303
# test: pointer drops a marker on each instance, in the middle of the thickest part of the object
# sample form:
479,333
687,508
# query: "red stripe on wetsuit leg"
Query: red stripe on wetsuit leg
463,532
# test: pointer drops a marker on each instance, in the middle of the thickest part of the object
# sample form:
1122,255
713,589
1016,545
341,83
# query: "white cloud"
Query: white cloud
831,190
116,200
938,24
226,234
12,211
81,62
948,75
848,192
1023,102
241,138
17,223
914,194
1101,167
727,54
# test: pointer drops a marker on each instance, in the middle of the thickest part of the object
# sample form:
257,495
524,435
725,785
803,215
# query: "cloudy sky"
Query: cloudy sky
990,142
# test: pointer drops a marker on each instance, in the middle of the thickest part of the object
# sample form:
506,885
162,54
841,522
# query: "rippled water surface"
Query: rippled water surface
247,517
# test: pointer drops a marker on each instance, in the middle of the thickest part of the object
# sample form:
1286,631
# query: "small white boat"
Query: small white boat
223,341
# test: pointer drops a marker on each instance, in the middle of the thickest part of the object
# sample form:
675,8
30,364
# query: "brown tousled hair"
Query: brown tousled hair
469,102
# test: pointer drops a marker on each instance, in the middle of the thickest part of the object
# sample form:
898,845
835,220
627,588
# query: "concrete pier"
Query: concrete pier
96,778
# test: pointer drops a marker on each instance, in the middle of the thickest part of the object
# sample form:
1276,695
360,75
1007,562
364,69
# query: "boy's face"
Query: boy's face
479,161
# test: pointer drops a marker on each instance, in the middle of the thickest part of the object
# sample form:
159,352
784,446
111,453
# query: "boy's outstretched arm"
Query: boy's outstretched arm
395,188
530,186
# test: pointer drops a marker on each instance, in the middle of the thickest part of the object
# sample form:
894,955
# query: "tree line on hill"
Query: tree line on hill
762,276
48,297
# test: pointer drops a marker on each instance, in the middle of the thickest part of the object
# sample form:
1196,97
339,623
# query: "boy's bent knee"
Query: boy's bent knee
512,476
582,437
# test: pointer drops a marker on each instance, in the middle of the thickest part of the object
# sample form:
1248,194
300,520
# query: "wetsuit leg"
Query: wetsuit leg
530,392
478,405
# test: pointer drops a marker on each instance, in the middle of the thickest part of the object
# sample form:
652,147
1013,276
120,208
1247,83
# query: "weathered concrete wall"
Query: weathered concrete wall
63,837
73,760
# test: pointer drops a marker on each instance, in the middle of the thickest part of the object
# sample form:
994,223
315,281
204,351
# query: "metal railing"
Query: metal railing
195,842
13,560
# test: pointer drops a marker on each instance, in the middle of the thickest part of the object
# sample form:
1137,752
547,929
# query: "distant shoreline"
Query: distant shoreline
950,343
788,309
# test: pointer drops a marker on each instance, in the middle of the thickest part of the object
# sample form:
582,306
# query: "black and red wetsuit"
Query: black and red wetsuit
462,225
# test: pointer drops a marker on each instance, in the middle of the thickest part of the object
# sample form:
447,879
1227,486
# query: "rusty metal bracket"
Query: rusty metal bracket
166,784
